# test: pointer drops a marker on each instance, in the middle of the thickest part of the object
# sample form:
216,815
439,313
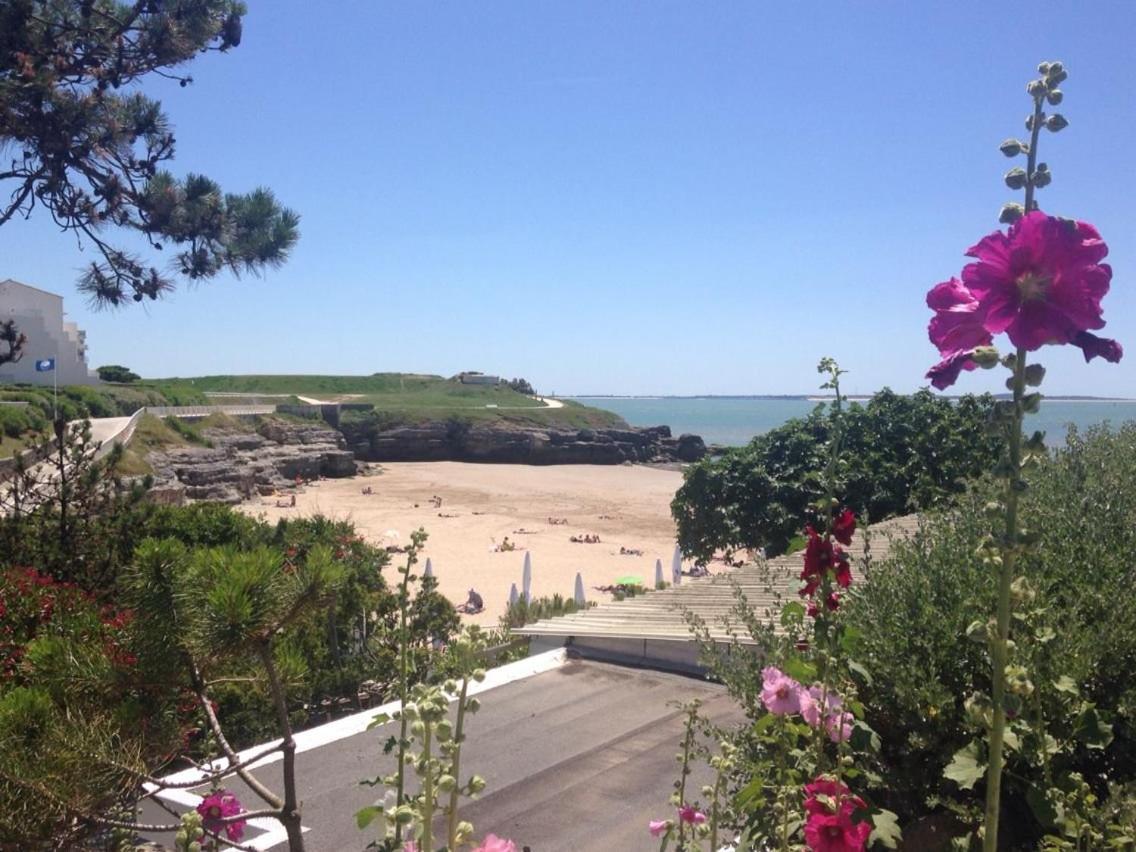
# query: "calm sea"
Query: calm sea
733,421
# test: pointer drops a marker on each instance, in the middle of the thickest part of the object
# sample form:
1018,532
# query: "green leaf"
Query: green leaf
365,816
792,613
380,719
965,769
858,669
799,670
1066,684
1041,806
1011,741
763,724
850,638
863,737
751,796
885,829
1092,730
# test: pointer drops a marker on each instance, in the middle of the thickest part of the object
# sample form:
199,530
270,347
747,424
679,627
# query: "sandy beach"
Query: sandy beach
626,506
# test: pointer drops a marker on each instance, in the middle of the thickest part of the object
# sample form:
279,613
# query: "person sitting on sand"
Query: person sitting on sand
368,490
473,604
507,546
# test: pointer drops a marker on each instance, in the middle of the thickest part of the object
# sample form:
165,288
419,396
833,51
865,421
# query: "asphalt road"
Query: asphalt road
578,758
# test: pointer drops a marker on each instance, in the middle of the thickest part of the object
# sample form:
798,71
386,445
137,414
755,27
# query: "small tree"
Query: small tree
117,373
12,342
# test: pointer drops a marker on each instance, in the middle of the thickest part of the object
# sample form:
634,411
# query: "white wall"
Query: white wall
39,315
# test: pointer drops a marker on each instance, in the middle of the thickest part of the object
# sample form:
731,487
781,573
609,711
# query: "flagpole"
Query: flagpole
55,387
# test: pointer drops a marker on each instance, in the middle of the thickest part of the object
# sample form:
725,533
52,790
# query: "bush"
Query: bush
914,613
116,373
900,453
17,420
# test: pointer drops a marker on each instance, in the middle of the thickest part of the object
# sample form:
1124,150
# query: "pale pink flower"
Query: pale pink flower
839,727
493,843
780,694
659,827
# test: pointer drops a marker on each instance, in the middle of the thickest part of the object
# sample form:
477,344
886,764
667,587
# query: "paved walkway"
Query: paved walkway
576,759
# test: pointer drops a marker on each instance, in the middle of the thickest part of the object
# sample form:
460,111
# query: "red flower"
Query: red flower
843,525
843,569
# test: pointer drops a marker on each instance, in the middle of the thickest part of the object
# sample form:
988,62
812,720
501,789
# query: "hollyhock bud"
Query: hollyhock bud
1035,373
985,356
1031,403
1043,68
1016,178
1011,213
1055,96
1056,122
1036,88
1011,147
1041,177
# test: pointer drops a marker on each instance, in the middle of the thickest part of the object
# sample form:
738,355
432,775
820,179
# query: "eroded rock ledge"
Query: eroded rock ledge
241,464
449,441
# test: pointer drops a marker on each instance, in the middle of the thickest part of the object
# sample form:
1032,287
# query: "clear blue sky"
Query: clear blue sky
617,197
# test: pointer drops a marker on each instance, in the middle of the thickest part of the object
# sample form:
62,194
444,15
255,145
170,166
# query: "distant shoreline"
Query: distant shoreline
811,398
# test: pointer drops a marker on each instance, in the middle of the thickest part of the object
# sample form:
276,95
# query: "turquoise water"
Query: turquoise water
733,421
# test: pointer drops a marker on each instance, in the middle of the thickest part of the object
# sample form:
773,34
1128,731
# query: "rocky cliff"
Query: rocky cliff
502,443
241,464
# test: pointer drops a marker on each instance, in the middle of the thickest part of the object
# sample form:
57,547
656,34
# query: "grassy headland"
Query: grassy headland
400,398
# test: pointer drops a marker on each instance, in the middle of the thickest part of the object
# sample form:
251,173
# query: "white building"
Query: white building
39,315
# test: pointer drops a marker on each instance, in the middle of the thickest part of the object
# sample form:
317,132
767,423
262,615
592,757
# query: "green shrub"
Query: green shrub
913,615
901,453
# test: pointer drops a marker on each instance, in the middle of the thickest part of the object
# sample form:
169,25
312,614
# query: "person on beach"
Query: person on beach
473,604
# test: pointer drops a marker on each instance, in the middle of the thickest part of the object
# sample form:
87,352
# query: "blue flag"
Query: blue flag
45,366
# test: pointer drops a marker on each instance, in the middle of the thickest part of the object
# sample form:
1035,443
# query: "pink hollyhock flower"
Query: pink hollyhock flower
836,833
409,846
958,322
659,827
810,708
843,526
839,726
818,703
1092,346
946,372
688,814
780,694
1041,282
829,806
215,807
493,843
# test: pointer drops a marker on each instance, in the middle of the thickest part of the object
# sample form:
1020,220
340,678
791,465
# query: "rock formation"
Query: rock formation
241,464
449,441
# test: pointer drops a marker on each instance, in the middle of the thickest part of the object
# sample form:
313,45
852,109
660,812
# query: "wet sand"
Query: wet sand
626,506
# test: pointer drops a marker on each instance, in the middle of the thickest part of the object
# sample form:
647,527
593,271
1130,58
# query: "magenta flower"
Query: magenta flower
688,814
958,324
1041,282
829,807
780,694
493,843
659,827
217,806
